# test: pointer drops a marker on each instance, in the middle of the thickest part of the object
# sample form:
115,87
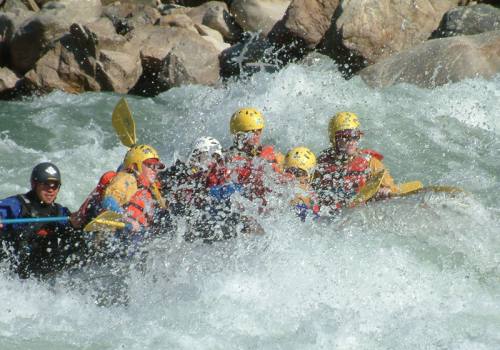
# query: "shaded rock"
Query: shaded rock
8,81
366,31
118,71
215,15
186,3
252,54
305,23
440,61
105,34
258,15
9,22
127,16
174,56
36,35
468,20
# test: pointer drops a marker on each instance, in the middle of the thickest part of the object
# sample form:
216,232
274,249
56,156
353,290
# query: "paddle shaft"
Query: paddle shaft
34,220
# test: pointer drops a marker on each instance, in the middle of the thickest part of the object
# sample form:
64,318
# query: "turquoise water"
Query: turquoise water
414,273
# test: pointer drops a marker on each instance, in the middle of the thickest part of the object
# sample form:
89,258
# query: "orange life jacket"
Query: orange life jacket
141,207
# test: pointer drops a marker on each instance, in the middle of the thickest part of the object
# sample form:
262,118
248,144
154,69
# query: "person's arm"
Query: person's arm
9,208
387,186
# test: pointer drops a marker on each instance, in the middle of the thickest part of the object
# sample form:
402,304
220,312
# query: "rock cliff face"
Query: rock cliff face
148,46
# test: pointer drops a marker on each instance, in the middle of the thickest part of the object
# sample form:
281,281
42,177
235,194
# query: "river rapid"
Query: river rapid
420,272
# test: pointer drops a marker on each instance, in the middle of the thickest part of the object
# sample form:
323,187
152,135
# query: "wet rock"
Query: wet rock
252,54
61,69
212,36
129,15
366,31
118,71
258,15
215,15
8,81
440,61
10,5
305,23
468,20
9,22
37,34
174,56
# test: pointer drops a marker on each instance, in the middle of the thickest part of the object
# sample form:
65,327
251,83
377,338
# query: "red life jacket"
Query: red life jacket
91,207
346,177
248,173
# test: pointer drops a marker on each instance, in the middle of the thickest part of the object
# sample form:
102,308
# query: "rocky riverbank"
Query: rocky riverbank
145,47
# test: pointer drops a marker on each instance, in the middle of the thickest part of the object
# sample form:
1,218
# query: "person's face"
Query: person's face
347,144
47,192
301,175
251,139
150,169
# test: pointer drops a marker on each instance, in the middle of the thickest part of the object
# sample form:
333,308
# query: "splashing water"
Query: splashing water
411,273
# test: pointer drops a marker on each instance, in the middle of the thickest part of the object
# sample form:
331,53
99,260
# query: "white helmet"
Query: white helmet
205,146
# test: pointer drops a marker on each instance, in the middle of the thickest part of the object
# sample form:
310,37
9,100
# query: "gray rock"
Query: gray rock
440,61
128,15
258,15
468,20
215,15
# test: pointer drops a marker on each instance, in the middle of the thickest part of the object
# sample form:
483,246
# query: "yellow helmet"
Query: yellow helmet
342,121
302,158
138,154
246,119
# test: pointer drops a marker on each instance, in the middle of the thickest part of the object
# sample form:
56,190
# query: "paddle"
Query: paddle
34,220
124,125
369,190
104,222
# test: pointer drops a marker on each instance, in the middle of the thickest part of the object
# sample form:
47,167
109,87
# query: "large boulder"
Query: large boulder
250,55
37,34
366,31
60,69
118,71
468,20
173,56
11,5
440,61
215,15
305,23
126,16
258,15
77,63
9,22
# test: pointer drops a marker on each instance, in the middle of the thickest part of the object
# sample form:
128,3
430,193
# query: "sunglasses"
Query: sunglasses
50,185
154,166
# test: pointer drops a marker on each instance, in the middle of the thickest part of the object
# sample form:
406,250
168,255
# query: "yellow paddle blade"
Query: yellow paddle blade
370,189
409,187
106,221
124,124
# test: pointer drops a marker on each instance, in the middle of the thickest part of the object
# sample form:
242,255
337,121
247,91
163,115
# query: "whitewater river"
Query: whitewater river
414,273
